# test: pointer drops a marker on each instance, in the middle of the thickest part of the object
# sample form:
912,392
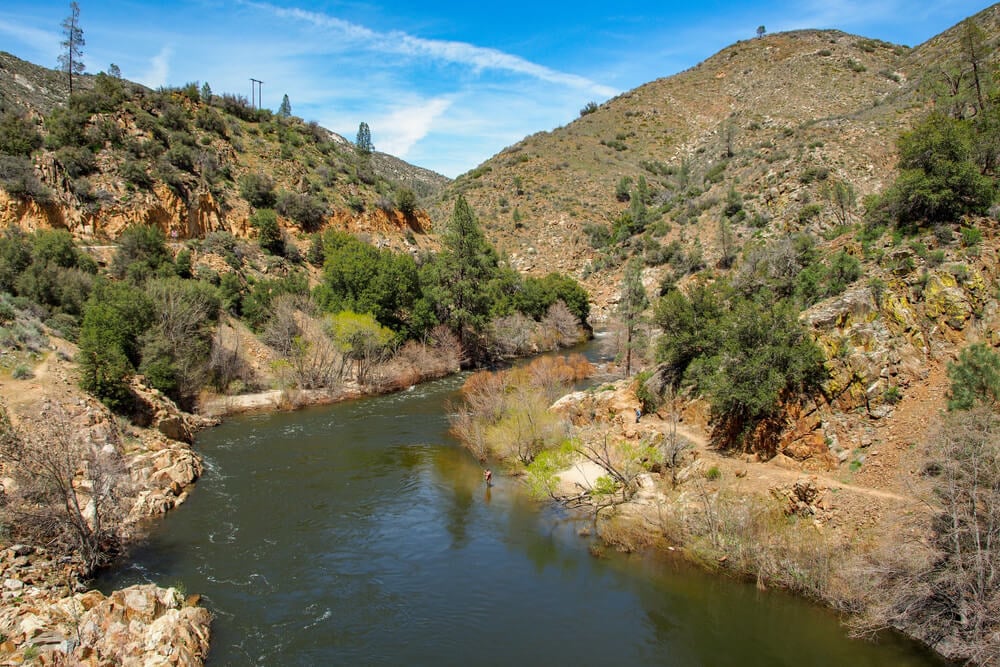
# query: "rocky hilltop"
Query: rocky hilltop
120,155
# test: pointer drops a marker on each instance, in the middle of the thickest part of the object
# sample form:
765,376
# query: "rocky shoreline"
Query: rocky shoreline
48,614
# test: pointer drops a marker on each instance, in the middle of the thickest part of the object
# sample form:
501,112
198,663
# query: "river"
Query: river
362,534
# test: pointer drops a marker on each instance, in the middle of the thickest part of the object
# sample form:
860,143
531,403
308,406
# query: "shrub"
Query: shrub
304,209
18,135
17,177
142,252
258,190
76,161
971,237
406,201
975,378
808,212
938,179
265,221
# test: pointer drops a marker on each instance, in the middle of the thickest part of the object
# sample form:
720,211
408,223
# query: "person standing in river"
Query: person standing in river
488,477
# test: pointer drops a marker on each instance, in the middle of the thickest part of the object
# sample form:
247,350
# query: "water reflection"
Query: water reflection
361,534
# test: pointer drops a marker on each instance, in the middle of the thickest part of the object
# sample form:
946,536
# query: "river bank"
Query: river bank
48,612
809,527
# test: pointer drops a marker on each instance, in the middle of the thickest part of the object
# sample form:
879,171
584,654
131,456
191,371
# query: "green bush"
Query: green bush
258,190
975,378
114,320
938,180
142,252
22,372
17,177
18,135
305,210
406,201
745,355
265,221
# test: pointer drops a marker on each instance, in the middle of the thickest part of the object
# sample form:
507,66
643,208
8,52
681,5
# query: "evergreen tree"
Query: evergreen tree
456,281
364,140
115,71
285,110
975,378
206,93
69,59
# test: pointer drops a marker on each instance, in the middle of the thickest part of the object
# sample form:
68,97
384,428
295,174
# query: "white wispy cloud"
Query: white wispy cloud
159,69
41,40
462,53
402,128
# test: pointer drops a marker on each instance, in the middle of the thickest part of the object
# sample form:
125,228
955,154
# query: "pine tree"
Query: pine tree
285,110
206,93
364,141
455,282
69,59
115,71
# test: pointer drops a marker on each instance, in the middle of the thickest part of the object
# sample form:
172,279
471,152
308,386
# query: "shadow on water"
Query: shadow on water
360,533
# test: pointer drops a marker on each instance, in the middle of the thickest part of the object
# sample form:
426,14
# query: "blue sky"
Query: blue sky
445,84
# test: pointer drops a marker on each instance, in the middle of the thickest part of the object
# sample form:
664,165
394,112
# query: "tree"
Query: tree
843,196
406,202
114,320
631,305
943,589
364,140
142,252
975,379
938,179
69,59
206,93
69,487
361,339
265,221
456,280
285,110
115,71
974,49
761,31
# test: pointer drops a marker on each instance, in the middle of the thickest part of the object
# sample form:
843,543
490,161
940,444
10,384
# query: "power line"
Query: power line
258,83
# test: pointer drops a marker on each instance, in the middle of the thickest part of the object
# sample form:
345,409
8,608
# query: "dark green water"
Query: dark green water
361,534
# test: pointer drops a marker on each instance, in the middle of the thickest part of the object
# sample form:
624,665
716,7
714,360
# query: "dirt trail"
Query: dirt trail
756,476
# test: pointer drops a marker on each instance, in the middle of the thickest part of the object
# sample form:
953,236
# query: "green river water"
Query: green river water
362,534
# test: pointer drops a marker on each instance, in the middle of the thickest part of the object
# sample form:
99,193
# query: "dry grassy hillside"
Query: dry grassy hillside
776,121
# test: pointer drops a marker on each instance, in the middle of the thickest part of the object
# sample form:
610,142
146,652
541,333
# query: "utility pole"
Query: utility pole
255,83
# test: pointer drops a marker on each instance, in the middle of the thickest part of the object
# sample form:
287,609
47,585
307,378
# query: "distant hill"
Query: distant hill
772,123
120,154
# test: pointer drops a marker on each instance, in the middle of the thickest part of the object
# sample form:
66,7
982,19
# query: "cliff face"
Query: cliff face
119,155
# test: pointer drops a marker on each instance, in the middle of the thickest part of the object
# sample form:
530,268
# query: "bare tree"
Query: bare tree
947,592
632,302
674,446
622,461
564,325
69,490
226,363
315,359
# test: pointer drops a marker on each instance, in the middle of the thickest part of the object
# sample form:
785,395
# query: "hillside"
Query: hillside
773,122
120,154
